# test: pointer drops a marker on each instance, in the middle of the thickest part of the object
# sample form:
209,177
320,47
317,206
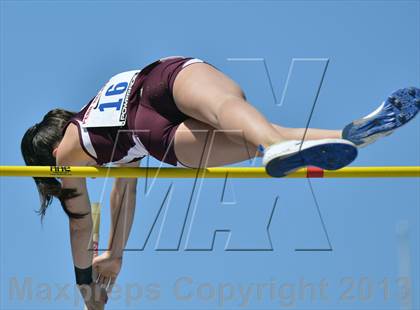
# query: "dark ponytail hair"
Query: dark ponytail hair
37,147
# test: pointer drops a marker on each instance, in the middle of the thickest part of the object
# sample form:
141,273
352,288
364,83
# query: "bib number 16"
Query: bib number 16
113,90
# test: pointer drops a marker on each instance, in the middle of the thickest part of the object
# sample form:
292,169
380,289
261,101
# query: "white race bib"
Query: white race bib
109,108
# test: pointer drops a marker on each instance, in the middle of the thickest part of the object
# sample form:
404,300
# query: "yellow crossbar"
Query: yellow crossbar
216,172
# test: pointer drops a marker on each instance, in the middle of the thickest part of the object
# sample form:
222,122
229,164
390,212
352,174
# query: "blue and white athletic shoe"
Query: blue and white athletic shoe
283,158
396,111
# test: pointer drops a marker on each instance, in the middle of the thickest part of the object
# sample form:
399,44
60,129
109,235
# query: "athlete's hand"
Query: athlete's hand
106,269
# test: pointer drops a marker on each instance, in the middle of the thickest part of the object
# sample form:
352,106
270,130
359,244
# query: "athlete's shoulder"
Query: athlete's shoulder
70,151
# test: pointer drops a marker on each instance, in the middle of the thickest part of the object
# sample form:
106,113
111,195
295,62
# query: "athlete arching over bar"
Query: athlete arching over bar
179,110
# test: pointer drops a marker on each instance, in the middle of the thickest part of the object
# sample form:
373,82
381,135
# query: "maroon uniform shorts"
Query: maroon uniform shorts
157,116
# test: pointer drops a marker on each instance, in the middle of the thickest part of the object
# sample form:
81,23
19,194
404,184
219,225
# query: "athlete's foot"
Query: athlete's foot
283,158
397,110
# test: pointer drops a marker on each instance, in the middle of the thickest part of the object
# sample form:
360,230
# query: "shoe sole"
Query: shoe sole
406,103
329,156
403,103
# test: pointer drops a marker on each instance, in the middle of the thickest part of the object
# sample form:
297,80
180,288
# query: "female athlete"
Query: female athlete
182,111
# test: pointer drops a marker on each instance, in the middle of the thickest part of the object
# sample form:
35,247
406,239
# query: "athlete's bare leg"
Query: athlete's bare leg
206,94
311,133
210,97
198,144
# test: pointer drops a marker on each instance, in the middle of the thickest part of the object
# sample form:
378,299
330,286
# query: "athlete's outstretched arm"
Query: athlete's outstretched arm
70,154
123,203
80,228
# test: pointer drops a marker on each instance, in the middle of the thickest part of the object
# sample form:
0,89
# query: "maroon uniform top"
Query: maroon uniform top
152,118
114,144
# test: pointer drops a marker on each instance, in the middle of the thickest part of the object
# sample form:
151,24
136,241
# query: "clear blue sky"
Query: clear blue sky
59,53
